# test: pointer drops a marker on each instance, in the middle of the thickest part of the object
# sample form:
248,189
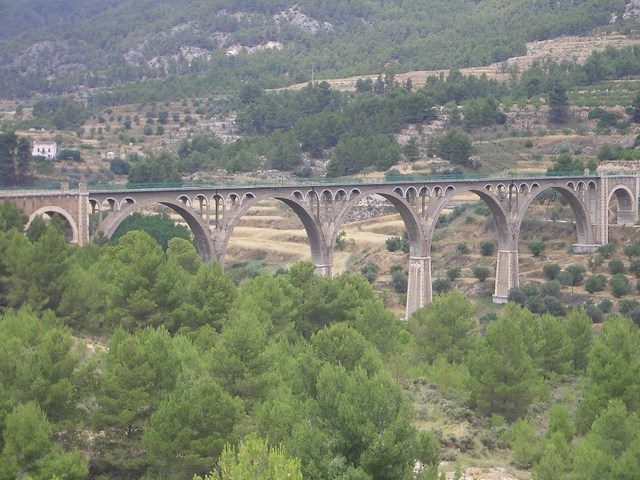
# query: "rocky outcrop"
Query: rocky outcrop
295,16
632,10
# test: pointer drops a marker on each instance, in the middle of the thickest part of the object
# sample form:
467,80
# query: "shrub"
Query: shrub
572,275
632,250
481,208
551,271
72,155
536,305
119,166
536,247
516,295
595,313
453,273
393,244
605,305
481,273
551,289
607,250
370,271
530,290
616,266
462,249
634,267
628,305
553,305
441,285
596,283
487,248
399,280
620,285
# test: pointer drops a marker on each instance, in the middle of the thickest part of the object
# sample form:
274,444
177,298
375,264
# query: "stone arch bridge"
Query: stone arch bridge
212,212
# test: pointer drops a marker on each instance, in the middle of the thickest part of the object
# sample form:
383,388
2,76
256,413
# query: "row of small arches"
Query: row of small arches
339,195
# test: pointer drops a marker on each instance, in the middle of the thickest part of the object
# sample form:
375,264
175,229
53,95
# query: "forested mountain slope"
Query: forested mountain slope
57,47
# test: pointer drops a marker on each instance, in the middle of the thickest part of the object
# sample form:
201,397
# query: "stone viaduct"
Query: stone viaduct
212,212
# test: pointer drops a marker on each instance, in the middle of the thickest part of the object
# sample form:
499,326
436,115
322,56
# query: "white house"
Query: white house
47,150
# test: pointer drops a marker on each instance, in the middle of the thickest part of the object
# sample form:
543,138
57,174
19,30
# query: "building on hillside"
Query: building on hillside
46,150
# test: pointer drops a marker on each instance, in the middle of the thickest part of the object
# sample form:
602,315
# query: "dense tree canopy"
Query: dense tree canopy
157,365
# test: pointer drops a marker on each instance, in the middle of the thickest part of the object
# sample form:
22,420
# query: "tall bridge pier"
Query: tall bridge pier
212,212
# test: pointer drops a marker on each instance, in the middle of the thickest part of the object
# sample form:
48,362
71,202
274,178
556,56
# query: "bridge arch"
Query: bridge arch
578,207
198,228
626,204
321,253
52,209
489,198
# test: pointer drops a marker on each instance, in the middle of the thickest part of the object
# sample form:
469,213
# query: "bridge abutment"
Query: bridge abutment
584,248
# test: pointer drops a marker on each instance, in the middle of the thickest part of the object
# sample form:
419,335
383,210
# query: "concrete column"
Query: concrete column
83,214
324,270
419,288
506,275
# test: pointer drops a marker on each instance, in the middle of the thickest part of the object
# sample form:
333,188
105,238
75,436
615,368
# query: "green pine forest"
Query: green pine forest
57,47
129,361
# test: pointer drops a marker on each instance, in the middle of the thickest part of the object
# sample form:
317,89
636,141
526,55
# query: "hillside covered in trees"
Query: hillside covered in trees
201,47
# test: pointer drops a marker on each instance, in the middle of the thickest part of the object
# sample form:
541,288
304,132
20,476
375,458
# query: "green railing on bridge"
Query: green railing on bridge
284,182
305,182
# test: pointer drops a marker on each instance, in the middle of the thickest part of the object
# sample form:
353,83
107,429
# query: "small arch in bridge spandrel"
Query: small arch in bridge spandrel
217,199
449,190
501,189
424,192
233,200
298,195
95,205
398,191
312,196
111,204
571,186
201,200
61,212
127,201
411,193
592,185
523,188
183,199
354,193
341,196
581,186
326,196
489,187
247,196
437,192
